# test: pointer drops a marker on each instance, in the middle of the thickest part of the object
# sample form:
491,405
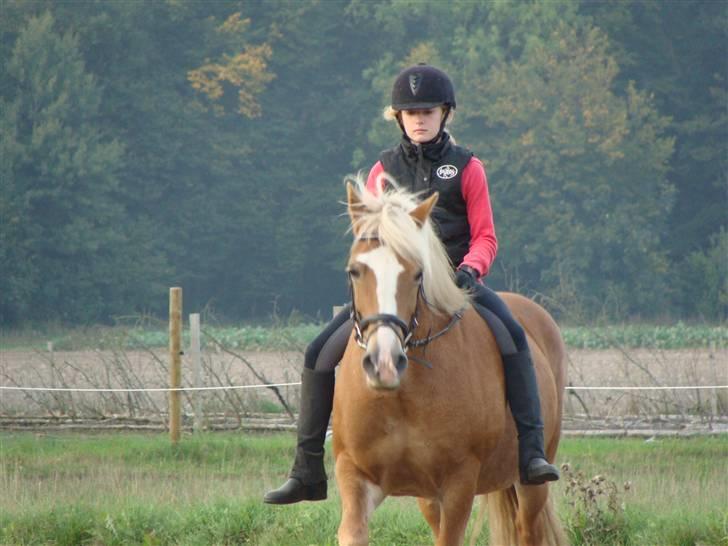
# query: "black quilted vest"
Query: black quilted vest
432,168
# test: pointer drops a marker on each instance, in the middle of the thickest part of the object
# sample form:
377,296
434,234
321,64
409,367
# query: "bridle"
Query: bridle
403,330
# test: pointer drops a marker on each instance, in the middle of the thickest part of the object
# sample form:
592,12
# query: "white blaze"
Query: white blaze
386,268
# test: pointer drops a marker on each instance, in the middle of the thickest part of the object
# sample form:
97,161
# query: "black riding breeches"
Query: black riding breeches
482,295
326,351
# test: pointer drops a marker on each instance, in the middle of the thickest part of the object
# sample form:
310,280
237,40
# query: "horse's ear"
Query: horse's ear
423,210
355,207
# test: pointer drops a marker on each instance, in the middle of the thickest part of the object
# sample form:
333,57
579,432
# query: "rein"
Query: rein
401,329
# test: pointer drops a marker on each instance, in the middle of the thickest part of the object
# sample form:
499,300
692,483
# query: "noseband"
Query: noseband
401,329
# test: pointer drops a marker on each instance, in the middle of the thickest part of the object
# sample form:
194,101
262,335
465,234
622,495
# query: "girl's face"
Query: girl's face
422,125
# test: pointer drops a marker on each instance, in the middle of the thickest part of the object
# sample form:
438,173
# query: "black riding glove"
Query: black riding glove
466,277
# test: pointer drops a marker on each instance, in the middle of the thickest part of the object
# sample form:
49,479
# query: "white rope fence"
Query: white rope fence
679,387
267,386
160,389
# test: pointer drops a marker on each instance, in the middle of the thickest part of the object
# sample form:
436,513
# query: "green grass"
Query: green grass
139,489
678,488
295,336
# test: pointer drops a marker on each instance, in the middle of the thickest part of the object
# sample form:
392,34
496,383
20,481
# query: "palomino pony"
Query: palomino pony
439,428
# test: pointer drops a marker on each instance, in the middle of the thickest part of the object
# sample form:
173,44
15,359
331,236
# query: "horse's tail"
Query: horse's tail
479,520
553,532
502,509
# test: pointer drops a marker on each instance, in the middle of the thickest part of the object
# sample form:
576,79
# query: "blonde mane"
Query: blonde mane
387,216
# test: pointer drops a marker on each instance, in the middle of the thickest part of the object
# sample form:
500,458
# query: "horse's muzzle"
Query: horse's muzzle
384,368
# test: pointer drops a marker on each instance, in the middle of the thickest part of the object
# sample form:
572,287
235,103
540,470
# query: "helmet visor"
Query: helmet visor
417,105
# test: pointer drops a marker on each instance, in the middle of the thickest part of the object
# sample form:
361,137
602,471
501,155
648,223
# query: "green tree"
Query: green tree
60,216
312,112
145,145
577,163
703,283
187,188
677,50
580,173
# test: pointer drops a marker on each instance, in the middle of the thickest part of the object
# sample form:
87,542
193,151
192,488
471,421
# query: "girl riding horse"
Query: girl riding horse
425,161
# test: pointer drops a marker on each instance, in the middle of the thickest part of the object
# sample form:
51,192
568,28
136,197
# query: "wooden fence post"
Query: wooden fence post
196,370
175,361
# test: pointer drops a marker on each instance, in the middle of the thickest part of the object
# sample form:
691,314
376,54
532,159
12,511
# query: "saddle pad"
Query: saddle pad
500,332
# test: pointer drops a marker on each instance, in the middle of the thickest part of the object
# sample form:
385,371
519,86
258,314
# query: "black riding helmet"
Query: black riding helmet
420,87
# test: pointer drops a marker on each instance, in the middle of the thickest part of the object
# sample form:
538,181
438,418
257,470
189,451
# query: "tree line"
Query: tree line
203,144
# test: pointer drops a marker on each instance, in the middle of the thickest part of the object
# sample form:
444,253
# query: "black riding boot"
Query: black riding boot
307,480
522,395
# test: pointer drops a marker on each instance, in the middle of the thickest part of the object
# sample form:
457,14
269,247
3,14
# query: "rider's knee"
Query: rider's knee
311,354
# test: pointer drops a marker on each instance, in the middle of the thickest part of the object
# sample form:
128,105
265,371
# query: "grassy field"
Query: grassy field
138,489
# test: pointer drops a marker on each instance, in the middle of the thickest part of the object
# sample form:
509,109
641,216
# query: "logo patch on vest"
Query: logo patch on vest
446,172
414,81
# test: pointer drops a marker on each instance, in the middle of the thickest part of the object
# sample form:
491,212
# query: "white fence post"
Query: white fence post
196,370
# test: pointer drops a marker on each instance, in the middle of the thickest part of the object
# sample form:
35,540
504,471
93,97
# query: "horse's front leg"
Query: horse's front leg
456,504
359,498
430,508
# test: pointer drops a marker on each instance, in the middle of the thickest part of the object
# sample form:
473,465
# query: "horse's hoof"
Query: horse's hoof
296,491
540,471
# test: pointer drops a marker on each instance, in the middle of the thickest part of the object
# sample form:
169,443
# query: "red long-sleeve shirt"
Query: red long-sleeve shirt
474,187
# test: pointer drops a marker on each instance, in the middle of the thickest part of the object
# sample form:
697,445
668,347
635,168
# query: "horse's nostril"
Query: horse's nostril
401,362
368,363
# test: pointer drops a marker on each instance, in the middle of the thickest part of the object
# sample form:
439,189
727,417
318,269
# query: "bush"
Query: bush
597,515
703,284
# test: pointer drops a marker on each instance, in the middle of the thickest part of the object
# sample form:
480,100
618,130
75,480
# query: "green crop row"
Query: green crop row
678,336
296,337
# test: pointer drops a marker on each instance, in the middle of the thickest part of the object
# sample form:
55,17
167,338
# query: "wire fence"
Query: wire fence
296,383
230,387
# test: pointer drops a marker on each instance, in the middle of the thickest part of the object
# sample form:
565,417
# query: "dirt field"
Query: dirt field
138,369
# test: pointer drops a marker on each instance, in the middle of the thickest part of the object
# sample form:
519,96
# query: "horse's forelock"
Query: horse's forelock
387,215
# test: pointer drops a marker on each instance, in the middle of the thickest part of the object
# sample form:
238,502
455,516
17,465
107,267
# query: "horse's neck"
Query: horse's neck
430,322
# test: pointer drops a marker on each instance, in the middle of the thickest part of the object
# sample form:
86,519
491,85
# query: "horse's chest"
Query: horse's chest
383,434
403,459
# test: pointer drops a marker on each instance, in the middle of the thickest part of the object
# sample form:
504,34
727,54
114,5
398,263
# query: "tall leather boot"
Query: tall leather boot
523,397
307,480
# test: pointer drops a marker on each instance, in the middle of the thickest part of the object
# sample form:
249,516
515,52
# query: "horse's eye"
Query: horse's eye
353,272
418,276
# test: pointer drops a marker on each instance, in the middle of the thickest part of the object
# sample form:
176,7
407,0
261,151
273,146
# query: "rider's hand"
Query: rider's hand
466,277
